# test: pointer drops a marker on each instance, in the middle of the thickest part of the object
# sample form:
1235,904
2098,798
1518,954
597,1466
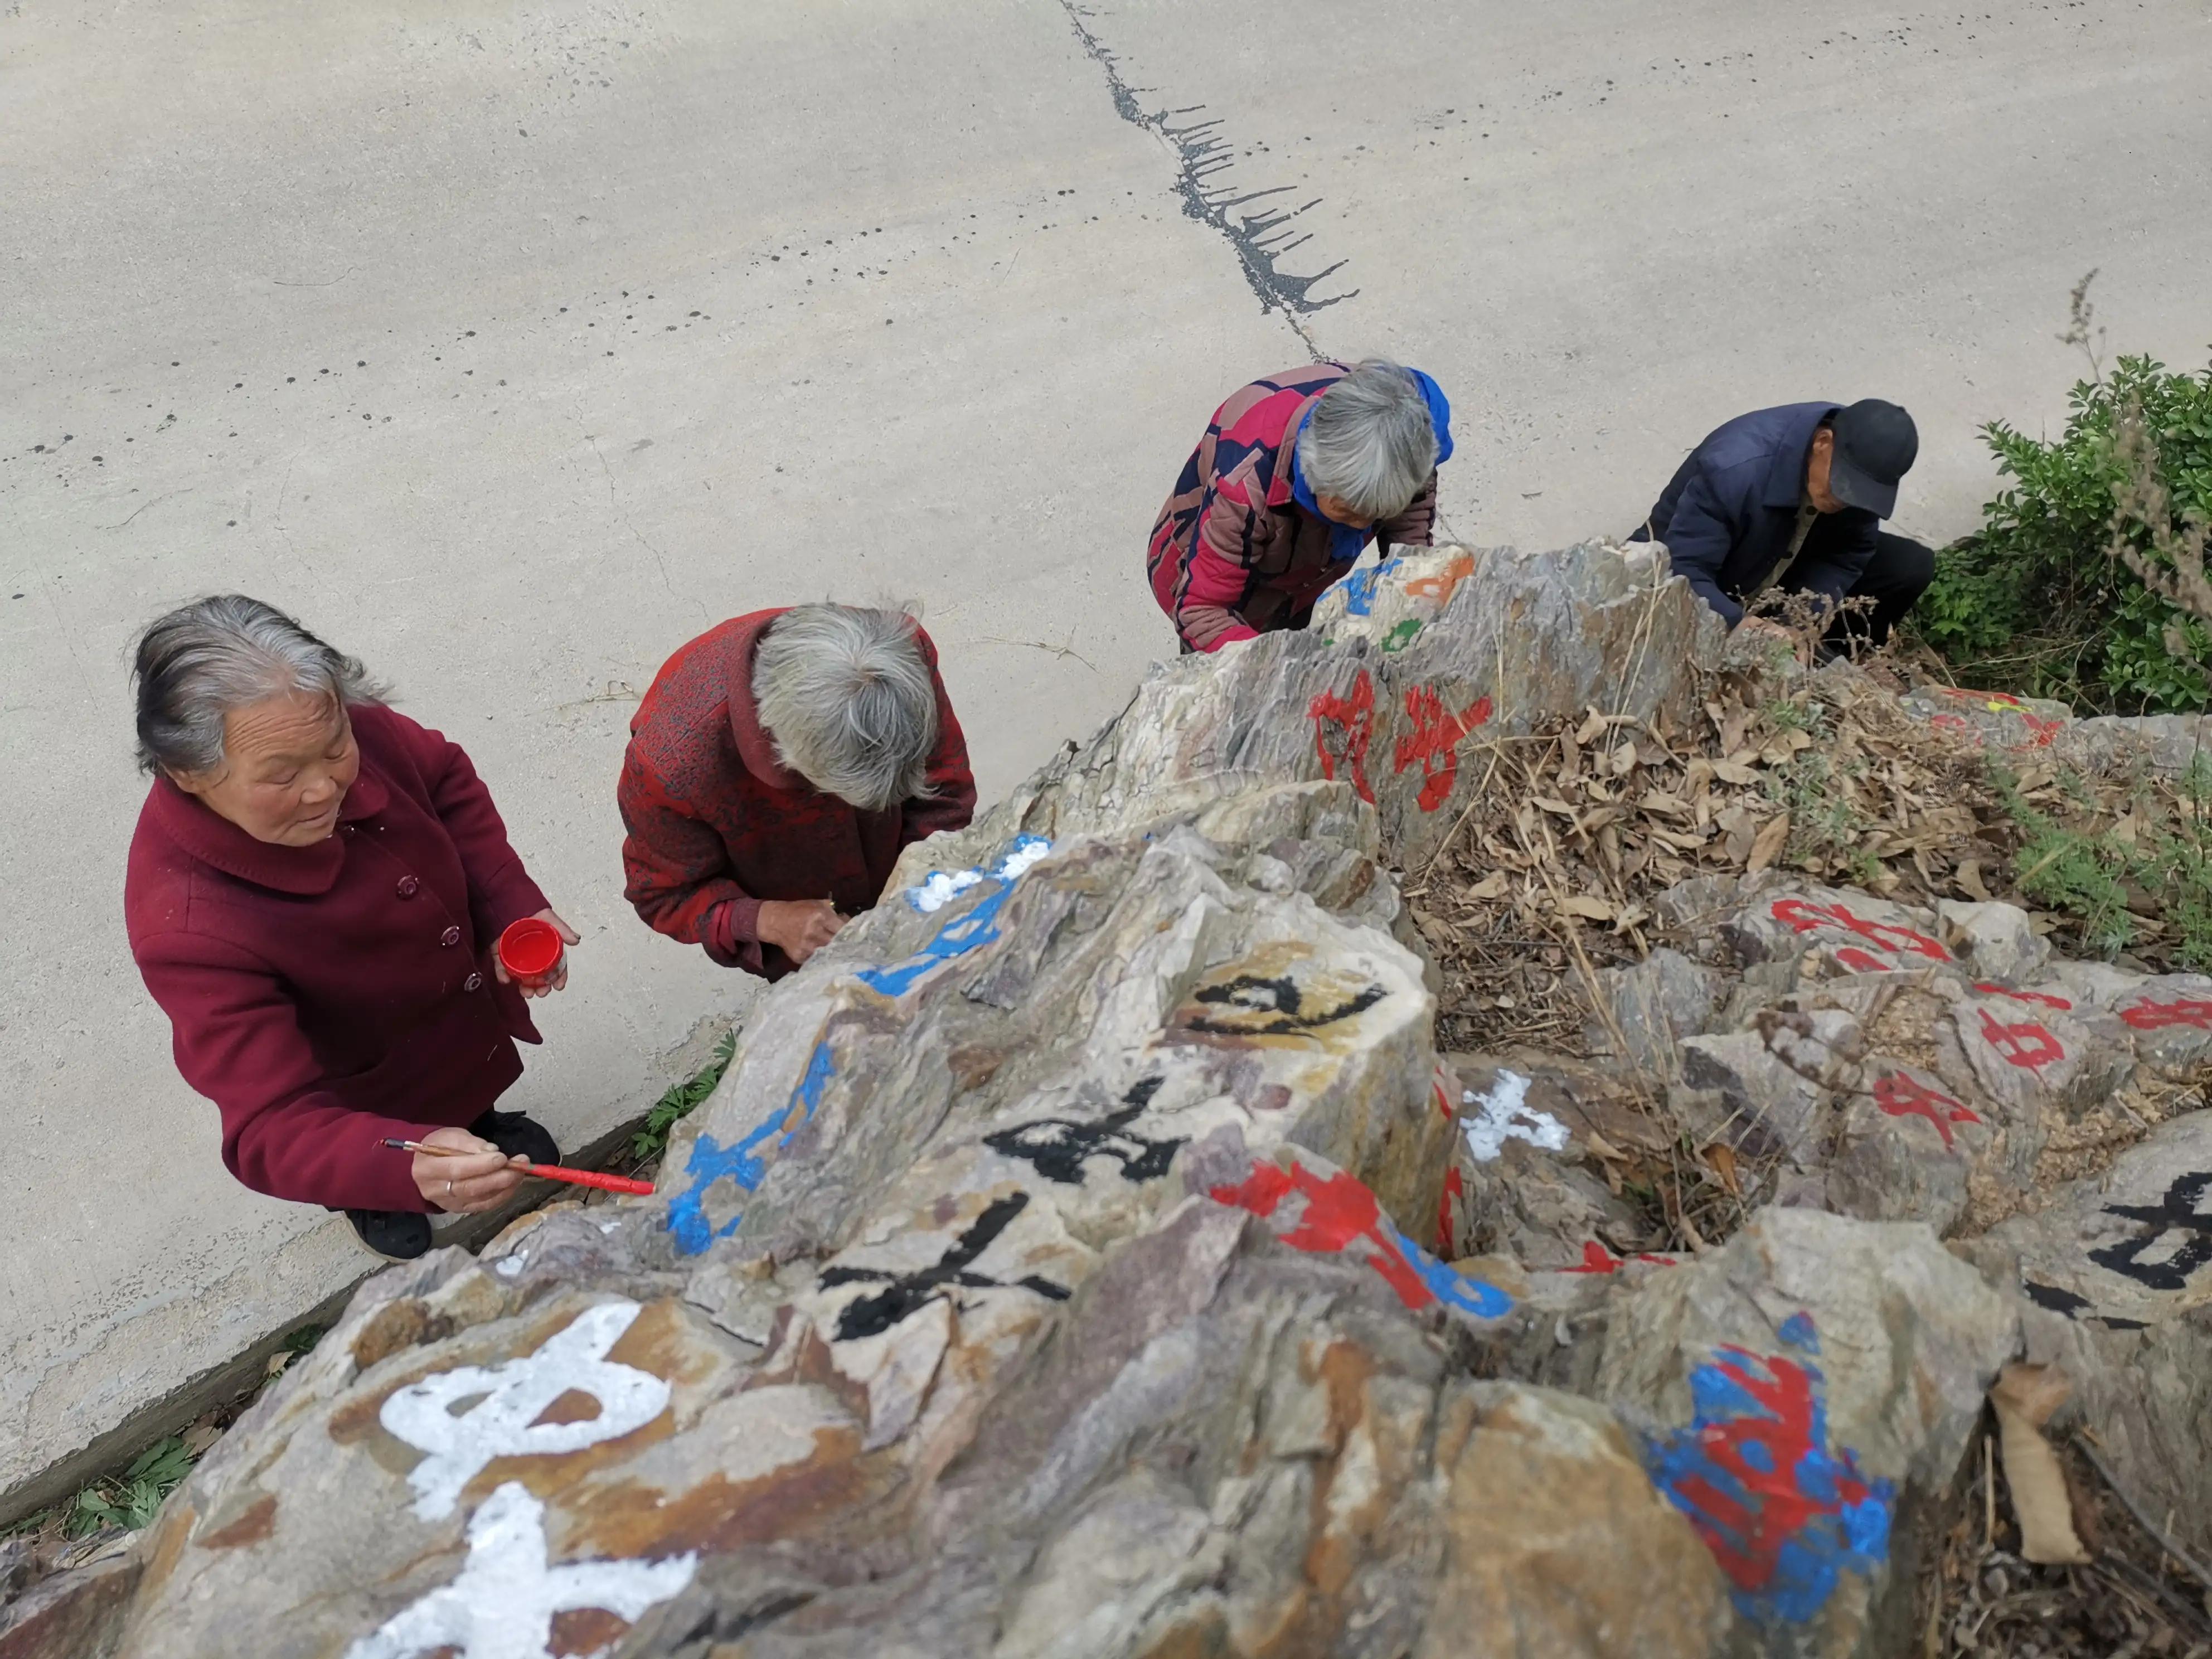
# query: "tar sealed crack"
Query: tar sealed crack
1260,239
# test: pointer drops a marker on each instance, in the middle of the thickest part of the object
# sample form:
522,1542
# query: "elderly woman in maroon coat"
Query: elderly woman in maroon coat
315,888
777,767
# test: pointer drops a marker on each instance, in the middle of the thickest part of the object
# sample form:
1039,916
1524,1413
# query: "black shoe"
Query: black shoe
396,1235
517,1136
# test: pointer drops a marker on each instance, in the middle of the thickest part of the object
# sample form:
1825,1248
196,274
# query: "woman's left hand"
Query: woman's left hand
559,980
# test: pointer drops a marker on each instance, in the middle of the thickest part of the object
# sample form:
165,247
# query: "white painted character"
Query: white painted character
504,1423
1502,1113
502,1604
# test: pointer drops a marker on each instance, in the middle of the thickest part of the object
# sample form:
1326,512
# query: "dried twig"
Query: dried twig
2196,1570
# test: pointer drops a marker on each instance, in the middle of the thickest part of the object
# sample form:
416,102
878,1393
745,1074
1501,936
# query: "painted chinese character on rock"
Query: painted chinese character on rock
1434,741
1878,942
1343,727
1785,1515
1336,1214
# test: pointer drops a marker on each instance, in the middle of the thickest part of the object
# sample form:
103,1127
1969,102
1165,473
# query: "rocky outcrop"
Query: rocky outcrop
1089,1254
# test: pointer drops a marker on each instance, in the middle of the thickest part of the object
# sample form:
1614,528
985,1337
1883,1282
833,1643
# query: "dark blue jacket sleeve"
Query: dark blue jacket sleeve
1840,567
1698,536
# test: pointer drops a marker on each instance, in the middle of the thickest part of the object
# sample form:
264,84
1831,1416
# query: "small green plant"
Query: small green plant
2071,589
1826,821
130,1500
651,1139
2106,882
1794,714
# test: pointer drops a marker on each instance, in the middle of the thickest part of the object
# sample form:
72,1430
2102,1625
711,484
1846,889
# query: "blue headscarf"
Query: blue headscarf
1345,543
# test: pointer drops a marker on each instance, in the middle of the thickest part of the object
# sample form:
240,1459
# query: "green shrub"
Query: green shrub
2035,599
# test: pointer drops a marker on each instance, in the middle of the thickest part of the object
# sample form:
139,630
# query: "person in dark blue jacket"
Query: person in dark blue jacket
1792,499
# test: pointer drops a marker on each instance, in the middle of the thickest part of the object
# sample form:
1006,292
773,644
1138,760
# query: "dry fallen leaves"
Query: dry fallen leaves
1767,846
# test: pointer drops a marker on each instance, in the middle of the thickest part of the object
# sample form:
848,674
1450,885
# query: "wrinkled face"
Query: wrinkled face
287,762
1334,508
1816,473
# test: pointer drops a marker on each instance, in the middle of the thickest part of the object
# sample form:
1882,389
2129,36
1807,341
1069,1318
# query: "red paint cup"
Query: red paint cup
530,950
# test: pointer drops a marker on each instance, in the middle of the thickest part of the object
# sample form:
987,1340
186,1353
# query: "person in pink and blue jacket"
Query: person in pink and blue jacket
1295,476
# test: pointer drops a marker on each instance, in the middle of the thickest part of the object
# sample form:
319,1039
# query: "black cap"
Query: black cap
1875,445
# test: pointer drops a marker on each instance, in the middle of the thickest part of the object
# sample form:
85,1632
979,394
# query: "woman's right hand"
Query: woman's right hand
483,1180
799,927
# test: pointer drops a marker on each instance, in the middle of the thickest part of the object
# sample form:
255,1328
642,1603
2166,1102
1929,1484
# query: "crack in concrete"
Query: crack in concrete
1260,239
614,504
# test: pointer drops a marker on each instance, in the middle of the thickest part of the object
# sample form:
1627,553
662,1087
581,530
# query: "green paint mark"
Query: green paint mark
1397,639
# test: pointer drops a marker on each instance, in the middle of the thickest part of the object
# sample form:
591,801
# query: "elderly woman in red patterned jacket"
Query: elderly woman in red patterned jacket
314,890
775,768
1295,476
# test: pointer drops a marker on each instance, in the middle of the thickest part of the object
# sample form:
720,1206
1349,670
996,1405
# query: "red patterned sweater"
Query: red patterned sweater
717,824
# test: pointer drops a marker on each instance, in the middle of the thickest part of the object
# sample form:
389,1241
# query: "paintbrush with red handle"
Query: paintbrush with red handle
613,1184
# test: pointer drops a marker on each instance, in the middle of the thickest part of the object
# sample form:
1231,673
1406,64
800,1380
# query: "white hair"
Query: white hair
196,664
849,701
1370,443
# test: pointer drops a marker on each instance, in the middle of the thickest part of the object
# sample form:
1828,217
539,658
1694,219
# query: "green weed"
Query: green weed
130,1500
1826,821
671,1108
2106,883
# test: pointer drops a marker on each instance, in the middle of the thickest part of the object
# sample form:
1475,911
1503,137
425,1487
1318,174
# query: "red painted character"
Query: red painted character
1338,1211
2043,997
1903,1095
1764,1501
1803,916
1597,1259
2148,1015
2026,1044
1355,715
1437,732
1446,1234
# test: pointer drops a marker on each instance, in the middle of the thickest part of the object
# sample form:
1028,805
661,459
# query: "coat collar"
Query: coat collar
756,748
1287,487
1785,477
217,842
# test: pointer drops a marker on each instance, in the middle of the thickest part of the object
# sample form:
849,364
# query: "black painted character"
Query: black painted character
2177,1212
2059,1299
1056,1146
906,1293
1250,994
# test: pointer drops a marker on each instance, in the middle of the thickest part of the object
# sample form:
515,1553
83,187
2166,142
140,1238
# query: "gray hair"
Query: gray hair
1370,443
203,660
849,701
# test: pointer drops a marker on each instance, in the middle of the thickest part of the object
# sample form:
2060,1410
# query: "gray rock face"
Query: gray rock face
1650,1008
1088,1254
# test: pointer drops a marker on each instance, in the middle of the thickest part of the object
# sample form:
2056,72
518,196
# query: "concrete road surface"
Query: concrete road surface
511,345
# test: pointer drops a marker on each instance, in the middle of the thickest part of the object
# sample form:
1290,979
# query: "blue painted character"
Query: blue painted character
1359,587
711,1161
964,934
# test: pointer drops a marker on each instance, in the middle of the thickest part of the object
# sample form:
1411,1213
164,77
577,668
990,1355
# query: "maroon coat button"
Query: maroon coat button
473,982
450,937
409,886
